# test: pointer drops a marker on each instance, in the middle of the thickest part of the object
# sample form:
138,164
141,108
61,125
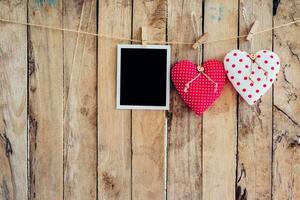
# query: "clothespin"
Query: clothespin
252,30
201,39
144,35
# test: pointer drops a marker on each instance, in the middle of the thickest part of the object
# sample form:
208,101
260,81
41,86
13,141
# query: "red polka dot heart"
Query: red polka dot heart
252,74
199,88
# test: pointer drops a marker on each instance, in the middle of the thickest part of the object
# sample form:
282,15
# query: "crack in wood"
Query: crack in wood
257,107
31,60
289,117
278,140
284,73
33,127
169,116
8,146
241,194
7,186
294,48
275,6
243,172
31,65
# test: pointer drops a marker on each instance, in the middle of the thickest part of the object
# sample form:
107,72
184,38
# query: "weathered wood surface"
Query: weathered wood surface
76,145
286,108
13,102
148,127
114,126
80,102
255,122
6,177
184,127
45,112
220,122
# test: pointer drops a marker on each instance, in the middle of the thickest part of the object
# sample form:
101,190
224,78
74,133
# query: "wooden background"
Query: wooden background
62,138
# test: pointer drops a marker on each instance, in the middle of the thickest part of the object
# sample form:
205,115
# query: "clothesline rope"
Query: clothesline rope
138,41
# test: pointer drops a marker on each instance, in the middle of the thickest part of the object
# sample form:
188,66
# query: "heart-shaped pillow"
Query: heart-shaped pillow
199,87
252,74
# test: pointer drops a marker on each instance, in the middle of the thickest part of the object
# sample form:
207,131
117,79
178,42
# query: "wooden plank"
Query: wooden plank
184,127
148,155
13,101
80,101
45,101
219,123
114,126
148,126
286,165
255,122
286,152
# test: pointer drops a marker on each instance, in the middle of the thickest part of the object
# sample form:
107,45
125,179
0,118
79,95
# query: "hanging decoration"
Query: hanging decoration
252,75
199,86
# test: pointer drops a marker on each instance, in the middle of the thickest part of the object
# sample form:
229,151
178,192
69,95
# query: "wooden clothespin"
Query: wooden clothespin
252,30
201,39
144,35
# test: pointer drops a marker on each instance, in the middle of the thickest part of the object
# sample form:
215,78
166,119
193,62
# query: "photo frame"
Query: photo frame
143,77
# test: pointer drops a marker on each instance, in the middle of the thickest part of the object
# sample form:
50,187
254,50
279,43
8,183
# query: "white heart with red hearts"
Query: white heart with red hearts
252,74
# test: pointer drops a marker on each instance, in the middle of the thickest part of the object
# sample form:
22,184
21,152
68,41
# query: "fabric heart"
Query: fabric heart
252,74
199,88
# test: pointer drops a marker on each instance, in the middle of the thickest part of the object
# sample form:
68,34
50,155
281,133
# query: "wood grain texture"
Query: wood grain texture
59,127
13,101
114,126
148,155
255,122
184,127
45,101
286,151
80,102
7,190
148,127
220,122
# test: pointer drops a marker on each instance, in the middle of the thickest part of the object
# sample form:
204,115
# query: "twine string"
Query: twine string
196,33
253,59
75,52
153,41
215,83
199,67
201,72
187,85
136,40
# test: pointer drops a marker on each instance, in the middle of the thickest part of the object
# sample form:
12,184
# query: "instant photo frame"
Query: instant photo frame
143,77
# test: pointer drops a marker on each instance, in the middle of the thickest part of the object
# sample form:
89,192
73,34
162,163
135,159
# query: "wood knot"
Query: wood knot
108,181
84,111
8,146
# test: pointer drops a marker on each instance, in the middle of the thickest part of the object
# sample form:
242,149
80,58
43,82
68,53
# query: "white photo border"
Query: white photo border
137,46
